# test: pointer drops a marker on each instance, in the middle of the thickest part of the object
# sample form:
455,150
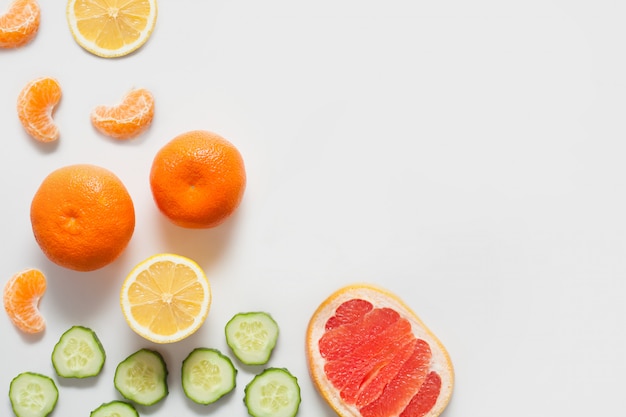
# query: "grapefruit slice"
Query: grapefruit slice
370,355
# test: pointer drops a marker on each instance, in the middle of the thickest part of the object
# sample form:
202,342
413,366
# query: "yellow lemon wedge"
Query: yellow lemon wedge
165,298
111,28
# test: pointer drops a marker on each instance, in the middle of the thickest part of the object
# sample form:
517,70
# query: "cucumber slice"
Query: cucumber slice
273,393
78,353
207,375
33,395
115,409
252,337
142,377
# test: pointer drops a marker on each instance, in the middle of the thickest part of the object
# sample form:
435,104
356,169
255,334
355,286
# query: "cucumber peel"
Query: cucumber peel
207,375
142,377
115,408
78,353
273,393
33,395
252,337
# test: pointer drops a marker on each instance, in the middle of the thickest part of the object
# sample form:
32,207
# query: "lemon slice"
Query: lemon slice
165,298
111,28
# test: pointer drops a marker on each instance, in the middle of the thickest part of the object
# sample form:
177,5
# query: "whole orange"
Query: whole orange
198,179
82,217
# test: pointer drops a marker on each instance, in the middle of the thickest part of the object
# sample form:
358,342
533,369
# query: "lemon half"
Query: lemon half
165,298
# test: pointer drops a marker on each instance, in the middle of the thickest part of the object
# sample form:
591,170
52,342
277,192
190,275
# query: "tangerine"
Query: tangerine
198,179
21,297
19,24
82,217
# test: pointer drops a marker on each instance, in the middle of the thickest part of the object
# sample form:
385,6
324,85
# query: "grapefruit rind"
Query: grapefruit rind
379,297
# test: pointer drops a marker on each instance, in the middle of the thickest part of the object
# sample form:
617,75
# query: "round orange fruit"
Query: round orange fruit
369,355
82,217
198,179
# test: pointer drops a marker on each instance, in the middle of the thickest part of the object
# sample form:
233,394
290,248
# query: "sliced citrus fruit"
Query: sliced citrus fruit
35,105
369,355
128,119
111,28
165,298
19,24
21,297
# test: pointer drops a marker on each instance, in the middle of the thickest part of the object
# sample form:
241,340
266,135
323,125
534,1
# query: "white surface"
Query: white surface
467,155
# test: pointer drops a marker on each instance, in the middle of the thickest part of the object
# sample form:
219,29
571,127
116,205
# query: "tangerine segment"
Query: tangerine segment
35,105
111,28
367,363
165,298
128,119
22,294
19,24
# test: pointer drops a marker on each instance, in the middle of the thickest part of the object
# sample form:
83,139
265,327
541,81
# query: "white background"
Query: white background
467,155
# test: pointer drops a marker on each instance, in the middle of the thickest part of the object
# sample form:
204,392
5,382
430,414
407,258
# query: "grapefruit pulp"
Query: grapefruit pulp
369,355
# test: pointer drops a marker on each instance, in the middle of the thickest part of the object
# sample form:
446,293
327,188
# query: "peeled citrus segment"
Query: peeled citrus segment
19,24
165,298
22,294
128,119
111,28
369,355
35,105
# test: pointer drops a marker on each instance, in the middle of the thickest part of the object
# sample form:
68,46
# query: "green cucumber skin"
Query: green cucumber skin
162,377
256,358
251,403
120,408
209,398
40,378
79,374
